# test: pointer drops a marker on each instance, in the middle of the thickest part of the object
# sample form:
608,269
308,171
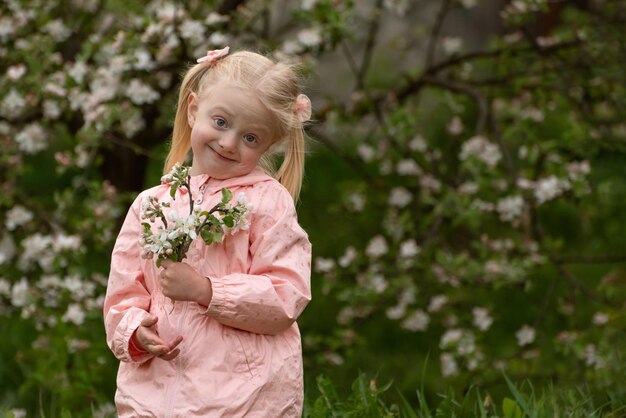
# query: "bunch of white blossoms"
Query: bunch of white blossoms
173,238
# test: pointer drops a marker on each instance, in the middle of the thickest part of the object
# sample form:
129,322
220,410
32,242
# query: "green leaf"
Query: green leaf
228,221
173,191
510,409
518,397
207,236
227,195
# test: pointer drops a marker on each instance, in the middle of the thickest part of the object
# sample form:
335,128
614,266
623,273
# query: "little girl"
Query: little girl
215,335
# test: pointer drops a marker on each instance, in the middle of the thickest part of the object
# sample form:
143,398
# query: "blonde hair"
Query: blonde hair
277,86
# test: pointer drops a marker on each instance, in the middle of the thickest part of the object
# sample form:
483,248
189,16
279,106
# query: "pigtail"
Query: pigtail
181,133
291,171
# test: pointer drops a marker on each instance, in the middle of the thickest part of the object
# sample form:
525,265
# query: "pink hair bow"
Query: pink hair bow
214,55
303,108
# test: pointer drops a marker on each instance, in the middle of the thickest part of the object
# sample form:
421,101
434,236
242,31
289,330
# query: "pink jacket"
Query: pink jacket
241,355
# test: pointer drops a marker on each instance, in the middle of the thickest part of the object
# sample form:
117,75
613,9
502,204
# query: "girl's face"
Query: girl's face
230,130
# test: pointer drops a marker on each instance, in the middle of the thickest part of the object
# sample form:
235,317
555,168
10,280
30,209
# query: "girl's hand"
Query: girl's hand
148,339
180,281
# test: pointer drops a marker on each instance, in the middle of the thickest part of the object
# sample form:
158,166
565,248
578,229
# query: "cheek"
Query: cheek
199,134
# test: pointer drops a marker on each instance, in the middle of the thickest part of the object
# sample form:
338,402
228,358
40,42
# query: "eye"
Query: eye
249,138
219,122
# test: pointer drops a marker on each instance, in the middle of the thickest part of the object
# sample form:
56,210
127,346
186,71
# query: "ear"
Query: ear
192,108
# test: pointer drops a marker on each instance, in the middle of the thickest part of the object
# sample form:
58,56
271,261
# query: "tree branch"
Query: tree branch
434,34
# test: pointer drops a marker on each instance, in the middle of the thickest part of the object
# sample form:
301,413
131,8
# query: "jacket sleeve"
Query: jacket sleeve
127,299
277,287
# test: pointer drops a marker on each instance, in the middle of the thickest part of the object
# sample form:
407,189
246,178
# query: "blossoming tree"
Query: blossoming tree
475,185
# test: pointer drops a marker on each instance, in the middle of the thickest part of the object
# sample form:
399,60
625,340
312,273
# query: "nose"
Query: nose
228,142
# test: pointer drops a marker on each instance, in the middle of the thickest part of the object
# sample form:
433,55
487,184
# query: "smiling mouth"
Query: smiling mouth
221,157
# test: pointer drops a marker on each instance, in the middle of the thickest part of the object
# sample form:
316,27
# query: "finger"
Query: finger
157,350
166,263
149,321
175,342
171,355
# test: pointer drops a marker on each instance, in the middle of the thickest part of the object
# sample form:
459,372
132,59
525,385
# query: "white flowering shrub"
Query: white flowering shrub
472,194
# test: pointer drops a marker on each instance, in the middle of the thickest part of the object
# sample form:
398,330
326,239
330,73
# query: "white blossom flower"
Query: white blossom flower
5,287
418,144
15,72
451,44
75,314
141,93
377,283
399,7
532,113
480,148
377,247
32,139
18,413
396,312
218,38
324,265
13,104
53,87
525,184
310,37
132,124
482,206
366,152
57,30
467,188
78,70
549,188
51,109
430,183
215,18
67,242
437,302
417,321
143,60
449,366
356,201
334,358
292,47
308,4
450,338
600,318
510,208
482,320
348,257
578,169
409,249
466,345
192,30
5,128
17,216
36,249
7,248
166,12
455,127
592,358
525,335
7,28
20,293
400,197
408,167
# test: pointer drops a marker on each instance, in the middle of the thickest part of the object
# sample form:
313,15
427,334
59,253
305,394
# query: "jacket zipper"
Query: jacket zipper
173,389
